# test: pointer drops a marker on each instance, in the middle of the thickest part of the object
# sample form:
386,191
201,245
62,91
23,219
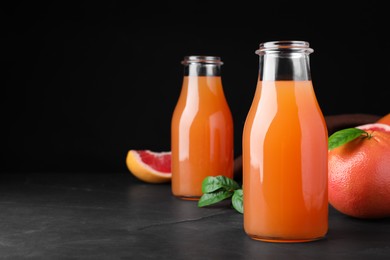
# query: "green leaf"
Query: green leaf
237,201
344,136
211,184
212,198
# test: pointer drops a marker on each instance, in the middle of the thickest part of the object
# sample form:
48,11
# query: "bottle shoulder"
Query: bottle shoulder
284,102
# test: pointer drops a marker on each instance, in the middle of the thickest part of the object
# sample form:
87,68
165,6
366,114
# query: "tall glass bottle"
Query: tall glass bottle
201,128
285,150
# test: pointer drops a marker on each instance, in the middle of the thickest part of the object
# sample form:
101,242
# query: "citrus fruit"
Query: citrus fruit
149,166
384,120
359,174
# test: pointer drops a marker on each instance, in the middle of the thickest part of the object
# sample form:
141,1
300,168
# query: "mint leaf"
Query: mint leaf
344,136
237,200
211,184
218,188
211,198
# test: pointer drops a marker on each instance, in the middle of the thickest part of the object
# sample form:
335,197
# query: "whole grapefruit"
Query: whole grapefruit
359,174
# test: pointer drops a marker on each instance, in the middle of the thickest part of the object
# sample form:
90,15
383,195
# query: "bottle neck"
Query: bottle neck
202,65
284,60
200,69
289,66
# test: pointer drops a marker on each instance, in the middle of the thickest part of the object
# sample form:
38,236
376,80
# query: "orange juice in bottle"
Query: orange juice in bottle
201,128
285,150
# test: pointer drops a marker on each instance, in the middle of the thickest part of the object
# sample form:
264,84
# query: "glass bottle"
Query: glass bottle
285,150
201,128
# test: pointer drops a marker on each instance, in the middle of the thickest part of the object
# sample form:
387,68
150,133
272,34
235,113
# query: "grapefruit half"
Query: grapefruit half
150,166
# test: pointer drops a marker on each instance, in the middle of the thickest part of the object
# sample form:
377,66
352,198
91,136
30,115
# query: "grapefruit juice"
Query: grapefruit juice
201,135
291,201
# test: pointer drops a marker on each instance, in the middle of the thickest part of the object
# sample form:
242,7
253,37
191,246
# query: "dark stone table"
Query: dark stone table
115,216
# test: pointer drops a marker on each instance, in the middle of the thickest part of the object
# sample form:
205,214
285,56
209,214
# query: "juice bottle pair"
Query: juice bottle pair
284,143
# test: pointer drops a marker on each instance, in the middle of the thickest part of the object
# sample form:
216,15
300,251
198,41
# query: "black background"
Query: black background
84,82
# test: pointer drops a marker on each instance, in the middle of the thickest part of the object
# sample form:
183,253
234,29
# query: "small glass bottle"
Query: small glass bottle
201,128
285,150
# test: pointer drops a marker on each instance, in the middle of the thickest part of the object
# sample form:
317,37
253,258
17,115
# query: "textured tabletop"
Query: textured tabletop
115,216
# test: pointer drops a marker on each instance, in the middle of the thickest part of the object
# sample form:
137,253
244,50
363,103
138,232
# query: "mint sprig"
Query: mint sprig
218,188
237,200
344,136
